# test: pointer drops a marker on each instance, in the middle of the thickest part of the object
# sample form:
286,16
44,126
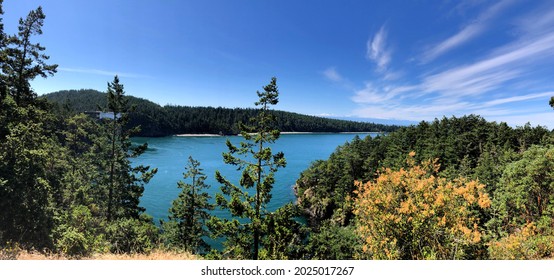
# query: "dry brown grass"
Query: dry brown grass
154,255
34,255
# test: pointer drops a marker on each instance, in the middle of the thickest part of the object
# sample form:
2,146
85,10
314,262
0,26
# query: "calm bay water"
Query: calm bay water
170,154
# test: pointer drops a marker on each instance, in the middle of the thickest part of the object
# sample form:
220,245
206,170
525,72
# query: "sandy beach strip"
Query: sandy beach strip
363,132
297,132
198,135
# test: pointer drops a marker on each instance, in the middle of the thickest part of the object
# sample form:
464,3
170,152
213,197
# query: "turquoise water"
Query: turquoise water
170,154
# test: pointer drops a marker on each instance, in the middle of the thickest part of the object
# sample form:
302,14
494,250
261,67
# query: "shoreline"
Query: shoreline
197,135
282,133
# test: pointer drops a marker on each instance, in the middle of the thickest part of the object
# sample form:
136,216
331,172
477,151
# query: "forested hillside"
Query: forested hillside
513,165
156,120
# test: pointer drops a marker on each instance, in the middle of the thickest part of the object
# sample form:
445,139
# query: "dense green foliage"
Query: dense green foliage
189,212
523,207
25,162
468,147
333,242
526,191
156,120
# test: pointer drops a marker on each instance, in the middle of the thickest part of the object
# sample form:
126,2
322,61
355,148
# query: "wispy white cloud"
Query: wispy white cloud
372,94
491,72
102,72
392,75
466,33
378,51
458,83
397,111
332,74
459,38
394,109
518,98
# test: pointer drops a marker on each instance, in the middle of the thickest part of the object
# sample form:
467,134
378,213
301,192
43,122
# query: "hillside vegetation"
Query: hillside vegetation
156,120
452,188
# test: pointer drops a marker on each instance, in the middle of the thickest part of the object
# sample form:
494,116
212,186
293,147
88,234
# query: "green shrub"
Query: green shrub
334,243
78,233
131,235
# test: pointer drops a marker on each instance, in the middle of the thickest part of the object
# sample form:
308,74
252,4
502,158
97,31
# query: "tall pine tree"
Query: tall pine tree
254,157
125,183
121,184
189,212
25,60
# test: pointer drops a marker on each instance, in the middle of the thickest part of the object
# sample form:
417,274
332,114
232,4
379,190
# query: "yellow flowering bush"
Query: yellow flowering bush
414,214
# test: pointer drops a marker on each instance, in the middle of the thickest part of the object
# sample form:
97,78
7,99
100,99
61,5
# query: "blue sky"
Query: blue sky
395,60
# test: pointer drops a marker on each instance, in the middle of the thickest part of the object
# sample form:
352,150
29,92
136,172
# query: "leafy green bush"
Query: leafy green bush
521,226
333,243
131,235
78,233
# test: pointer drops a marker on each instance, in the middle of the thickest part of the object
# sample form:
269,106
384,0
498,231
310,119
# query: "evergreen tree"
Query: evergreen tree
80,224
125,183
24,60
258,164
24,185
284,236
526,193
189,212
120,185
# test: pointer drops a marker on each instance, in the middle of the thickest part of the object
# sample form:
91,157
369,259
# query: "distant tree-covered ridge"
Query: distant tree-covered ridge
156,120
